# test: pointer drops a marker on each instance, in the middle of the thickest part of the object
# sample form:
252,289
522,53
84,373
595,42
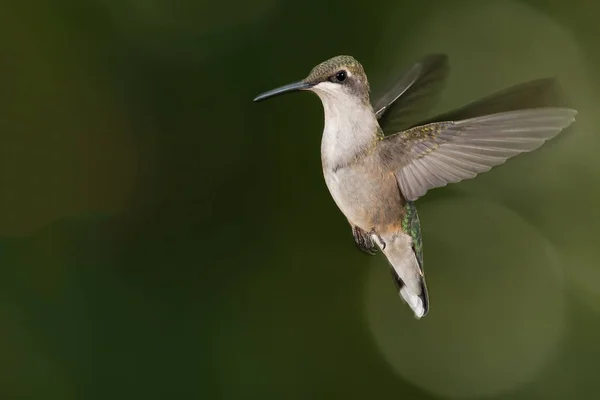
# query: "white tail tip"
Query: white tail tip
414,302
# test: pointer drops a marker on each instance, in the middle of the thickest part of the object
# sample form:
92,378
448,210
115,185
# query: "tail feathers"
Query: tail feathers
414,295
407,273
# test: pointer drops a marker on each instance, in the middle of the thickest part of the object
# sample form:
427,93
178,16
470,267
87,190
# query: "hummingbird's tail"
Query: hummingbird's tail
406,271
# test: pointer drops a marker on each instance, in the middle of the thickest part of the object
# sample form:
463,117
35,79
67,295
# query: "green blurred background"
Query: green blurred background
163,237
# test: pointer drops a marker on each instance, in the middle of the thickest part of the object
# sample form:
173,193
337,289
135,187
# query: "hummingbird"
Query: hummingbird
379,156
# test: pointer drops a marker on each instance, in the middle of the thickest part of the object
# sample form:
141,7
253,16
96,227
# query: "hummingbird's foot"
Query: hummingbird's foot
364,241
378,236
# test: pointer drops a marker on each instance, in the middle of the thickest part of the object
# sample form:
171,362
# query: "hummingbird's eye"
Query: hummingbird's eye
341,76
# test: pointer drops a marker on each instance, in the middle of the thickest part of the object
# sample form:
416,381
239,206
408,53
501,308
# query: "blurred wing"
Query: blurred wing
408,99
538,93
430,156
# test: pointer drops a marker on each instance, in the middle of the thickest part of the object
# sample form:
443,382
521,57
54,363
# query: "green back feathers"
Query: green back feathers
412,226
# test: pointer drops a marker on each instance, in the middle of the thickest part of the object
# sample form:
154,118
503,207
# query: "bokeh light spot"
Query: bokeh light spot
497,303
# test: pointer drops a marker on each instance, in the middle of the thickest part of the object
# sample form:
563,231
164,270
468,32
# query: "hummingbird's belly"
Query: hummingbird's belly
369,200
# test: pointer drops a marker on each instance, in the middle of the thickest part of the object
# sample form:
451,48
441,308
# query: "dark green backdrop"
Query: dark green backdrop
163,237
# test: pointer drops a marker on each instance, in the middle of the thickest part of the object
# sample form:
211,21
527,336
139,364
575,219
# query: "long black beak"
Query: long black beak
284,89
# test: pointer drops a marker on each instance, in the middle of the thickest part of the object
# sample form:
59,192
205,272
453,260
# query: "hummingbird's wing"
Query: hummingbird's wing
407,100
545,92
433,155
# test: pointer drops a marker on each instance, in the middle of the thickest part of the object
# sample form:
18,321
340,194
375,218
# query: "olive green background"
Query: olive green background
164,237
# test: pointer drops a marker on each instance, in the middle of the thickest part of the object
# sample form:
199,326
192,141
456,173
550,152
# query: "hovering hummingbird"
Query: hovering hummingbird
380,156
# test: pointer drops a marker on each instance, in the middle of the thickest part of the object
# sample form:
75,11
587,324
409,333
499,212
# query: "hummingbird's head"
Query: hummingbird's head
338,79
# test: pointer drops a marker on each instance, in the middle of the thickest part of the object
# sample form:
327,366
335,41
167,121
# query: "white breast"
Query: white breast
350,124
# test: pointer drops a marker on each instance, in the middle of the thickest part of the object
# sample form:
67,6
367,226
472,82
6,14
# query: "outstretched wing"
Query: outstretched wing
408,99
433,155
545,92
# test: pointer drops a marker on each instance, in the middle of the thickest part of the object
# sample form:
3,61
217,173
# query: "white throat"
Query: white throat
350,125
